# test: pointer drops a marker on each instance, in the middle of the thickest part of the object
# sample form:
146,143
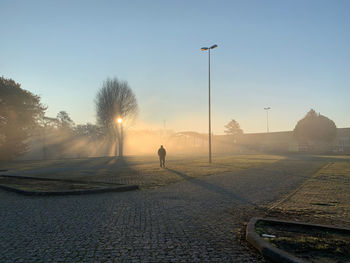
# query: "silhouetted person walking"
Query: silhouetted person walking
161,154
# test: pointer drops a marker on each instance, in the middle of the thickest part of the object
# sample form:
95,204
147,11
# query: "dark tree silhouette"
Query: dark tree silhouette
115,100
64,121
233,129
88,130
315,128
20,113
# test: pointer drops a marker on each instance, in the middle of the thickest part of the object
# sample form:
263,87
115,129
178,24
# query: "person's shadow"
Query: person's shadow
212,187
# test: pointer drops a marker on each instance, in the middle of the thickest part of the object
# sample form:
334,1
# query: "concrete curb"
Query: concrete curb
113,188
52,179
273,253
266,249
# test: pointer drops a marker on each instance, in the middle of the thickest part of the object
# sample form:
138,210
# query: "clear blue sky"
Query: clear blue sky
288,55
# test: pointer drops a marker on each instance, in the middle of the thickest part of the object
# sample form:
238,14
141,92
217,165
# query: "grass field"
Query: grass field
145,170
323,198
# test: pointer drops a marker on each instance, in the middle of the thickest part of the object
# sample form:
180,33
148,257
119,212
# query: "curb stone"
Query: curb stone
113,188
266,249
276,254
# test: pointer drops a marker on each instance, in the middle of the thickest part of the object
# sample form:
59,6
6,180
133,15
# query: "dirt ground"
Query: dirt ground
322,199
310,243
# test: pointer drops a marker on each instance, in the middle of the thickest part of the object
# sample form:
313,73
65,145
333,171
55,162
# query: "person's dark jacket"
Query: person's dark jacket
161,152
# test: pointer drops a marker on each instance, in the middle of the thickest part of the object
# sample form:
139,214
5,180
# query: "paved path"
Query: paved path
195,220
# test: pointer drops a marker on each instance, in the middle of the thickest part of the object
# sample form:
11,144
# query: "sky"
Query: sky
288,55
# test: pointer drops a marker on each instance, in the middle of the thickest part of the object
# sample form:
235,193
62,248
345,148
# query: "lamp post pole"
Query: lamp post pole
210,135
267,118
209,103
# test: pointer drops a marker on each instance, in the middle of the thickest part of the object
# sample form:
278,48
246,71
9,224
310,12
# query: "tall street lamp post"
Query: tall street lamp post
267,118
205,49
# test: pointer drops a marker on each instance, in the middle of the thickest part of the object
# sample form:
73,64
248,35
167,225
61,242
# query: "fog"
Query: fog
56,138
56,143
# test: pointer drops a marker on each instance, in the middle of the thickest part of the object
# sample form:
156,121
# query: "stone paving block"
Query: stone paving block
190,221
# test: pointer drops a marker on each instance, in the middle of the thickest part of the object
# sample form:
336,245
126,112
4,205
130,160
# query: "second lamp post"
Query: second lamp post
267,118
205,49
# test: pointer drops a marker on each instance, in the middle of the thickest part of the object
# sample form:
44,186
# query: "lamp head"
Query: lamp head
213,46
204,48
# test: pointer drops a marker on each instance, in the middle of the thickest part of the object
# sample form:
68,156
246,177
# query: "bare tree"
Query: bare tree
115,100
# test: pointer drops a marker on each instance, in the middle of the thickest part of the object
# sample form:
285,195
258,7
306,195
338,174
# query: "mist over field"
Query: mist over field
55,144
27,133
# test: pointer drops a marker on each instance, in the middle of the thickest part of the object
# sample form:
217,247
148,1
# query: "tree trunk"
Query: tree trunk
121,141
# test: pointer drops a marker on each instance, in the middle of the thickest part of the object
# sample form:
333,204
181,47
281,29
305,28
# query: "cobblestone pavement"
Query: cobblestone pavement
195,220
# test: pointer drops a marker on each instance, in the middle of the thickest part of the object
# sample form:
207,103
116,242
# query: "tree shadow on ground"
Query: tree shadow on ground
121,163
113,170
108,169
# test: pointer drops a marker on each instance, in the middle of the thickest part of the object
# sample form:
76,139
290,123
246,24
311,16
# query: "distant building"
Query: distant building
266,142
286,142
343,140
257,142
